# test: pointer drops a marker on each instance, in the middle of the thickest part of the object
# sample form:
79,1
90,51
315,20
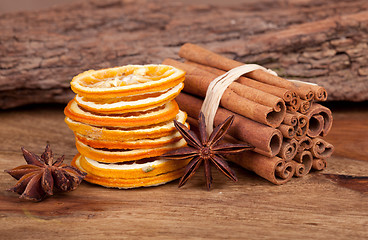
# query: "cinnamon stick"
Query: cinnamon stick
319,164
299,169
296,140
203,56
302,119
303,156
305,106
294,105
266,140
249,102
303,125
288,149
320,120
319,93
304,93
321,148
316,123
306,159
274,169
287,130
305,143
286,94
290,119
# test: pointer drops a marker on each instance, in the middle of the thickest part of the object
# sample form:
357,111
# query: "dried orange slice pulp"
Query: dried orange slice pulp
126,134
126,81
137,144
117,105
125,114
125,183
132,170
120,155
159,114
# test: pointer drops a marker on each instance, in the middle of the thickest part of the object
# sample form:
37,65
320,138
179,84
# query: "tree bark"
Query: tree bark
322,42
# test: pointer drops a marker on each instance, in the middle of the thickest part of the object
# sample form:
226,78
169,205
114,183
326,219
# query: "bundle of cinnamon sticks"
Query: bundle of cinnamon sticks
280,118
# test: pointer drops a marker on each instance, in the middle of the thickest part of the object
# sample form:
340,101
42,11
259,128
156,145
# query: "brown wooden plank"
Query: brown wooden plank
323,42
310,207
349,132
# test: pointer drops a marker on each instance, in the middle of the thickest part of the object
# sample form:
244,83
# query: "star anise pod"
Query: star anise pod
42,176
206,149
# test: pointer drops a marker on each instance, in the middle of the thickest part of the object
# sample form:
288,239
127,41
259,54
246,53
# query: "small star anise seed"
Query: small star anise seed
206,149
42,176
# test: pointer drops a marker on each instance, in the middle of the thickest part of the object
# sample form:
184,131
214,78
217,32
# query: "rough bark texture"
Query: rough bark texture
323,42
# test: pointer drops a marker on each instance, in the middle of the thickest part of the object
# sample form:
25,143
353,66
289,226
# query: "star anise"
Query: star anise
42,176
206,150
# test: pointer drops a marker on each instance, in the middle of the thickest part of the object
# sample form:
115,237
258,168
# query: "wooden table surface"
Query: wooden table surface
313,207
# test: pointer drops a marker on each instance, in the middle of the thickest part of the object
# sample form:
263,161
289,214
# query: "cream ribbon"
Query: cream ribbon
217,88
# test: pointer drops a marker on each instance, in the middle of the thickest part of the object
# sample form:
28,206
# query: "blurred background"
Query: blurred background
25,5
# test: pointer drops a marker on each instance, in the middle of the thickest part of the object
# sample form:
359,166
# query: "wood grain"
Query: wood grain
313,207
350,128
317,41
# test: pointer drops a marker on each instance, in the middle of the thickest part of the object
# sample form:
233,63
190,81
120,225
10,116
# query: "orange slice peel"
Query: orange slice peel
122,119
120,155
132,170
163,113
126,183
118,106
127,80
126,134
137,144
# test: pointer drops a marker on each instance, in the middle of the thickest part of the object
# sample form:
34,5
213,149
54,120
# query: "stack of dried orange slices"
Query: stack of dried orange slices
122,119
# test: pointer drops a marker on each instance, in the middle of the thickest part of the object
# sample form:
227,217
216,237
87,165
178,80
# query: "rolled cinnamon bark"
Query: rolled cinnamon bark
304,158
288,149
301,169
316,123
285,94
303,125
203,56
319,117
302,119
287,130
321,148
319,164
305,143
266,140
304,93
294,105
320,93
274,169
290,119
260,97
305,106
249,102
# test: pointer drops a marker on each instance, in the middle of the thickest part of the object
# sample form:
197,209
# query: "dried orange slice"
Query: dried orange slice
119,155
159,114
126,81
124,183
123,105
133,170
137,144
125,134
